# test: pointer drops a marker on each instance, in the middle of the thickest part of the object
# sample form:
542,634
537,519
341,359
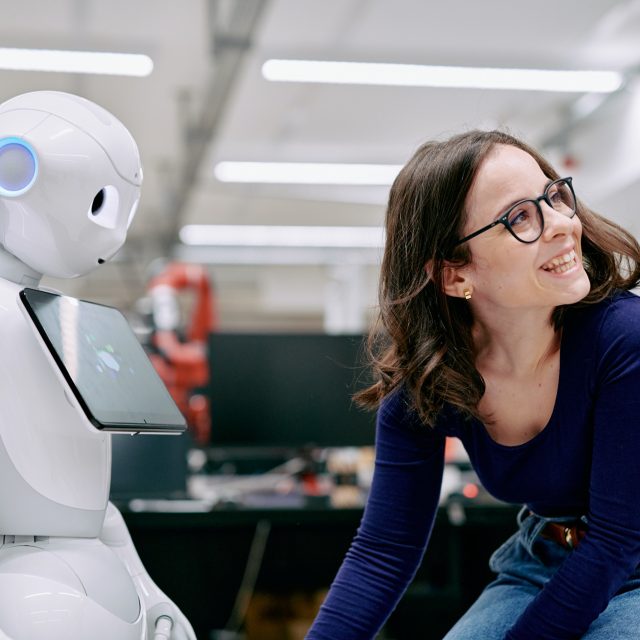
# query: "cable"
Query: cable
245,590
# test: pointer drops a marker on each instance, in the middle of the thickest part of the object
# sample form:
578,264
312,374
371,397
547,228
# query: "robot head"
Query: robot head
70,179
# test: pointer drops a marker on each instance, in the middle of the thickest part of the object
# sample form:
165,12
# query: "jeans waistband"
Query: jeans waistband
531,524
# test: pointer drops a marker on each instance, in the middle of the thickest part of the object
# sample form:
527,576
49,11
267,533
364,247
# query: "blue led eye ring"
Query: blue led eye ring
18,166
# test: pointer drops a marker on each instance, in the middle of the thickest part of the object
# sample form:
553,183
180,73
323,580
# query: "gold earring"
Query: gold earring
467,294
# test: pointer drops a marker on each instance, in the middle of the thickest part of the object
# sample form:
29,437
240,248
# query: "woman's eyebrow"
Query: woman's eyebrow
506,208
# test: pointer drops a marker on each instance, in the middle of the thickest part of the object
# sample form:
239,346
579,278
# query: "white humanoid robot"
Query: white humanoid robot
70,179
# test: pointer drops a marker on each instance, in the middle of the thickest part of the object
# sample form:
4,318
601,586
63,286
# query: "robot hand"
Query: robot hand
164,620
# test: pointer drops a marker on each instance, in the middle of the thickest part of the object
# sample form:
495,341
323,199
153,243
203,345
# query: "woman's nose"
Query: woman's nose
555,223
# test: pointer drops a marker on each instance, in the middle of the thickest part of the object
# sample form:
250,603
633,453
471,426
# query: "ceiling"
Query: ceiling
206,101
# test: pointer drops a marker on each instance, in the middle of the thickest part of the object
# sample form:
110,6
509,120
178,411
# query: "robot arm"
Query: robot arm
179,276
183,365
164,620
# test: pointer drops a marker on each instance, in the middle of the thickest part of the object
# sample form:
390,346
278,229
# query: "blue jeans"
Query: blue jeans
524,563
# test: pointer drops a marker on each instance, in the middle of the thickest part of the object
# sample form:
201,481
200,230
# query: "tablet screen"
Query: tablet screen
104,364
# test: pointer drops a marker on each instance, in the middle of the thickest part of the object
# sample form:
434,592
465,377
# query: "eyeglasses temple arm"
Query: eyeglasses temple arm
479,231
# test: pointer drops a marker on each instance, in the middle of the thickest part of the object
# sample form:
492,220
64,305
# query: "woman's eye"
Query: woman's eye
518,217
555,196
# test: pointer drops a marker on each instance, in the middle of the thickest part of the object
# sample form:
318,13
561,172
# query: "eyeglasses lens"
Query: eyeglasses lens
525,219
561,197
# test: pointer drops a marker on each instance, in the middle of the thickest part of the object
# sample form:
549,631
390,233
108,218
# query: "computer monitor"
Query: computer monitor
288,391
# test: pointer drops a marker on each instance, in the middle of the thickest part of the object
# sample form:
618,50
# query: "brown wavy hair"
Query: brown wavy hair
422,338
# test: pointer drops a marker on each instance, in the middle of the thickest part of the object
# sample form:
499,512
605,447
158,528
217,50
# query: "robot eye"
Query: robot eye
97,203
18,167
104,208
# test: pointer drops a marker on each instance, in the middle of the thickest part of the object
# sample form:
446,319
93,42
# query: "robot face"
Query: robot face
70,180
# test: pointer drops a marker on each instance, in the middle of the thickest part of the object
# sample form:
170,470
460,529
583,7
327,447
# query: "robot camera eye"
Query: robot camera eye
18,167
105,207
97,203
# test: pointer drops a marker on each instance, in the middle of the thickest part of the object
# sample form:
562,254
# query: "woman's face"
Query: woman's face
504,271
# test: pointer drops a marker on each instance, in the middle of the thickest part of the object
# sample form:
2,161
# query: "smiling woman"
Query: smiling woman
507,323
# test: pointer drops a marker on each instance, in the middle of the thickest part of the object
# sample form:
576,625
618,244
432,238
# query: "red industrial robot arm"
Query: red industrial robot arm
183,365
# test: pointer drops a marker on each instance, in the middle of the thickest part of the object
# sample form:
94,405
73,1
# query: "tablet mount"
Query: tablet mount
70,179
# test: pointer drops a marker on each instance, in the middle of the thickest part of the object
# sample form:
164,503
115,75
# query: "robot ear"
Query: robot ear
18,166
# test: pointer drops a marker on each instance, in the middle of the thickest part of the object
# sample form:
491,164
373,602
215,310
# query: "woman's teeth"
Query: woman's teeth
562,263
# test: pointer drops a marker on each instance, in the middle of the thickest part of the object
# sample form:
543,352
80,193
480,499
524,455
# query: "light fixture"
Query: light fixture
307,173
92,62
282,236
414,75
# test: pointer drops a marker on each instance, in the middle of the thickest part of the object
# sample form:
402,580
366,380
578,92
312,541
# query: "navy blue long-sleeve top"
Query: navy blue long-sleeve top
585,461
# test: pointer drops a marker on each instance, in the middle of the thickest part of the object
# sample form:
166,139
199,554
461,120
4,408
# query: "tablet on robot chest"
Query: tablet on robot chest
103,363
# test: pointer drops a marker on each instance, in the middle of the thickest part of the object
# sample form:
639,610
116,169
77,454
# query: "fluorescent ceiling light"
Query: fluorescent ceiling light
118,64
413,75
307,173
282,236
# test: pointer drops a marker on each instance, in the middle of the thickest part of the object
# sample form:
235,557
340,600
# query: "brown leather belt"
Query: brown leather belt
567,535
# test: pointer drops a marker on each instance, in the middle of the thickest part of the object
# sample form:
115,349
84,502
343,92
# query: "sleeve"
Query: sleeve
609,553
396,525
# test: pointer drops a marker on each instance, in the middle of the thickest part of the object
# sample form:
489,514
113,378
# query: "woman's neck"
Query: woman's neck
518,345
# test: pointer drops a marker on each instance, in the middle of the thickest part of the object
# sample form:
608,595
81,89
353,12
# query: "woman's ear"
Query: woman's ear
455,279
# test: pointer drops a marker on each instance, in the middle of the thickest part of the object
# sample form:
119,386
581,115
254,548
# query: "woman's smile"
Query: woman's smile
562,265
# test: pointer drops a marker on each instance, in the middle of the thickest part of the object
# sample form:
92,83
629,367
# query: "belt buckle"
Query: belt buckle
568,537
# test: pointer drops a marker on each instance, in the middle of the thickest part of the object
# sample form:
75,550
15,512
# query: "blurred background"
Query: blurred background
270,180
207,101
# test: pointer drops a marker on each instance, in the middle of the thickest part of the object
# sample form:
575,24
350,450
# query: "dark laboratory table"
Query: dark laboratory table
199,559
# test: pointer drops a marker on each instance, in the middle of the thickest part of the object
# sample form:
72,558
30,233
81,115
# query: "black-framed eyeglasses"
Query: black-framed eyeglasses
525,220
